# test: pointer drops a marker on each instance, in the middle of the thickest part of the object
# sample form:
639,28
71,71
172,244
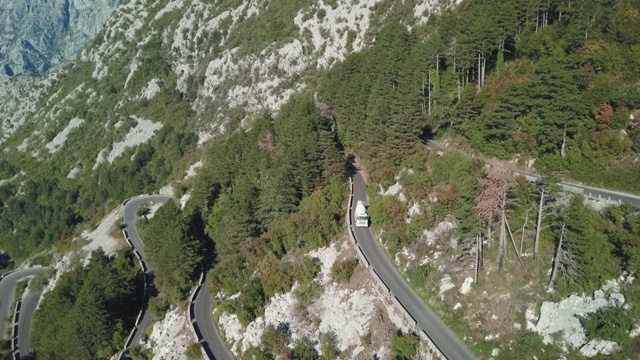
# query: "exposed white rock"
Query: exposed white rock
457,306
441,230
62,266
394,190
133,67
564,317
423,8
171,336
330,310
23,145
100,237
413,211
6,181
99,159
329,33
204,137
491,336
125,22
290,57
59,140
152,88
333,306
466,286
445,285
166,190
152,209
173,5
192,171
141,133
232,328
383,353
408,254
73,173
327,257
184,199
595,347
530,317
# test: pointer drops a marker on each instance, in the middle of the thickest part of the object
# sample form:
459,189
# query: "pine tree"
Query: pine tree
278,196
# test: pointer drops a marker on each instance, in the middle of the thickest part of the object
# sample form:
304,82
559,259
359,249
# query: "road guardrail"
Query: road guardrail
378,280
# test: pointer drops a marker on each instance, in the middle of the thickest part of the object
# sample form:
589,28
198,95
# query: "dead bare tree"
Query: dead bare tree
542,206
492,201
503,247
524,227
513,242
556,261
479,262
537,241
564,262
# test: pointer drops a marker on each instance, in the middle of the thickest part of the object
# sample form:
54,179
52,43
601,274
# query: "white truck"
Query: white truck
362,219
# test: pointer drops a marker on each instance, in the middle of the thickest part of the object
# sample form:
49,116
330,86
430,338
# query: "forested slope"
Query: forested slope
91,311
556,81
552,80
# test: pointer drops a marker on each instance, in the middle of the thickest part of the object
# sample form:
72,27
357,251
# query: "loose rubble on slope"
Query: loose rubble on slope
171,336
360,301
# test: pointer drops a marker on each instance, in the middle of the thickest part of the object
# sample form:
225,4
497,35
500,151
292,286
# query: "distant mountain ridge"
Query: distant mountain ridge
40,34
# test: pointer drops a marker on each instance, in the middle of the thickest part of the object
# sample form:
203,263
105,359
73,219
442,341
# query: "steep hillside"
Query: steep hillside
142,102
38,35
160,80
543,84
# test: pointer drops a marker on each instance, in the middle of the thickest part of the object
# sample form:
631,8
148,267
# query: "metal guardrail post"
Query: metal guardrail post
404,311
378,279
192,314
362,257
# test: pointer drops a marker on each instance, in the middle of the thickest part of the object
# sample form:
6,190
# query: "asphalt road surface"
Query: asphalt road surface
8,292
609,196
212,343
444,339
130,215
29,304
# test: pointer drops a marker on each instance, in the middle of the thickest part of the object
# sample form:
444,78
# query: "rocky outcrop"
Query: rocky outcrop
39,34
564,317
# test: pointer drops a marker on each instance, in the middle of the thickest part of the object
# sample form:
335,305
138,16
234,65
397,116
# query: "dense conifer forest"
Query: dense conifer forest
90,312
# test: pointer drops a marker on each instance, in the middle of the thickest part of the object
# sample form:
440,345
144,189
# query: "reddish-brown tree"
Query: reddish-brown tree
492,200
604,113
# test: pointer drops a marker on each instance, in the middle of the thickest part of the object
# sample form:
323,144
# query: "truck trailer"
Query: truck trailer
362,218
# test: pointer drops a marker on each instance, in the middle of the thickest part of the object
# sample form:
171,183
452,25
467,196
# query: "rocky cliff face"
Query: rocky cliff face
36,35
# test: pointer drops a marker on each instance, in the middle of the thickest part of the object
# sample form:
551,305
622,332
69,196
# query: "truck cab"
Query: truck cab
361,216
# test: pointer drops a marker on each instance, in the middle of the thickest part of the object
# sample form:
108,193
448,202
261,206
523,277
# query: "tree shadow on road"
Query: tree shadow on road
350,165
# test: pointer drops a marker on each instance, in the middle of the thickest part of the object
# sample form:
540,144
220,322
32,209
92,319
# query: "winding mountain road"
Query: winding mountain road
426,320
591,192
442,337
213,345
29,304
212,342
8,292
130,214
